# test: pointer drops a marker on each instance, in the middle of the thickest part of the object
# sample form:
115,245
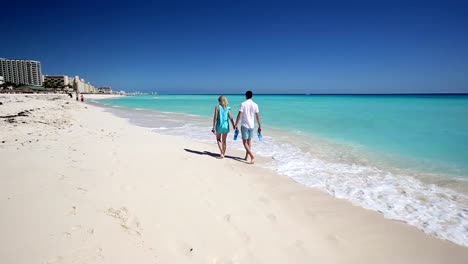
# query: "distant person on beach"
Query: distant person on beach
76,95
82,98
221,118
248,111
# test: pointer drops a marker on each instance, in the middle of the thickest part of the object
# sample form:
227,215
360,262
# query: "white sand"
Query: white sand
79,185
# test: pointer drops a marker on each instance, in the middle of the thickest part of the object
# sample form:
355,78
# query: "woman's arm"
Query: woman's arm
215,117
232,120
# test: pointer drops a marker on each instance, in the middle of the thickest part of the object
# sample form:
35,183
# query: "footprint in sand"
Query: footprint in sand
79,232
81,190
227,218
73,211
131,225
243,235
73,229
128,222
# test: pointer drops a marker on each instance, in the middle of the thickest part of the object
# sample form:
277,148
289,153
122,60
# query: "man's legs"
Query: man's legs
247,141
248,150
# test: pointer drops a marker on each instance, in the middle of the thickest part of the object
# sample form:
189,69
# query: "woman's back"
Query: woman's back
222,124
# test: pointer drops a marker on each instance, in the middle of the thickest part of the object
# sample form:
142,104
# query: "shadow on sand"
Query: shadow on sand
214,155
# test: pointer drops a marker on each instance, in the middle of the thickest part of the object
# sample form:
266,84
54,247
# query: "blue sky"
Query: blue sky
230,46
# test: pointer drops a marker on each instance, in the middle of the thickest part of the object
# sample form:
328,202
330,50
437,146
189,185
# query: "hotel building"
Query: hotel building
64,82
25,72
82,86
105,90
56,81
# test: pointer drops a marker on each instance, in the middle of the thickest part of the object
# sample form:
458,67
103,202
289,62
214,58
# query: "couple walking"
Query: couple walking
248,111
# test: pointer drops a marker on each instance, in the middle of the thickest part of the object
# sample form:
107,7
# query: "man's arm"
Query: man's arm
258,121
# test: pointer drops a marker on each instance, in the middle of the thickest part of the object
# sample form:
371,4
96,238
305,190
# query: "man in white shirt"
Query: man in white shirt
248,110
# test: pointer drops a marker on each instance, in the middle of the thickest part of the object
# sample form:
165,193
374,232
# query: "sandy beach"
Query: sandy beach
80,185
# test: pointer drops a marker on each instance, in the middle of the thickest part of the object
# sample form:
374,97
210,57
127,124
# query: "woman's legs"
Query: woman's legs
220,146
224,137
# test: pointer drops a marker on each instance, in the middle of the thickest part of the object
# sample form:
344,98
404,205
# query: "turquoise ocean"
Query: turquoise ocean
403,155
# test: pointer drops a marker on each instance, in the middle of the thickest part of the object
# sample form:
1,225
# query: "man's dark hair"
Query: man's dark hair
248,94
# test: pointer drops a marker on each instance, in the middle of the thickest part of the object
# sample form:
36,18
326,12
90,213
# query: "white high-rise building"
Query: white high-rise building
26,72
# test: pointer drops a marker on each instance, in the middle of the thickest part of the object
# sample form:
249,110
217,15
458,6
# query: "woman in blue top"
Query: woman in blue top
221,118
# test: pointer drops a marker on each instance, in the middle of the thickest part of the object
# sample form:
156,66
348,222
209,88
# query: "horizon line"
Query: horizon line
312,93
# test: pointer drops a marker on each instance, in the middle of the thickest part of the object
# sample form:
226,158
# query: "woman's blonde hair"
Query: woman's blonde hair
223,101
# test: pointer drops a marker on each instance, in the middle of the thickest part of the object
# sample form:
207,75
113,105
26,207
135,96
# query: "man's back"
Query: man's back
248,108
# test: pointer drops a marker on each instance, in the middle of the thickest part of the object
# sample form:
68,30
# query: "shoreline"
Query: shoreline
406,162
102,96
385,164
113,192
